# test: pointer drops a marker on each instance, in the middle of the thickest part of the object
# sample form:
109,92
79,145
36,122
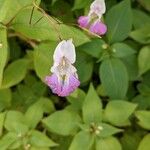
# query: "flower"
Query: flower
64,78
93,20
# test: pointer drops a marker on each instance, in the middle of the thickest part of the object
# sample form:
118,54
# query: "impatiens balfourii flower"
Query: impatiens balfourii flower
93,20
64,78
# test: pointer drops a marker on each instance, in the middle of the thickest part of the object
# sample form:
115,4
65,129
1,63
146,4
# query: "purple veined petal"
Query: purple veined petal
53,83
64,88
83,21
98,28
69,86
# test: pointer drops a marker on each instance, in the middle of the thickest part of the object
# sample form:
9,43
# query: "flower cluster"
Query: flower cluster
64,79
93,20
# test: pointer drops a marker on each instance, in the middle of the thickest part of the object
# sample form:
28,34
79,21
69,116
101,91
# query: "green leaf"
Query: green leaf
56,9
79,4
117,112
15,122
109,143
7,140
146,77
54,1
76,99
35,28
114,78
122,50
23,97
46,104
62,122
37,148
38,88
101,130
131,66
77,35
40,140
145,4
144,89
92,107
140,18
50,27
64,142
144,119
82,139
145,144
15,49
27,94
141,35
35,112
93,48
84,65
2,119
8,11
143,60
16,144
142,101
100,90
5,98
43,59
15,72
130,139
119,22
3,51
108,130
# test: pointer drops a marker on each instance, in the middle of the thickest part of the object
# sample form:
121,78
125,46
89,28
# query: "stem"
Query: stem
31,15
76,25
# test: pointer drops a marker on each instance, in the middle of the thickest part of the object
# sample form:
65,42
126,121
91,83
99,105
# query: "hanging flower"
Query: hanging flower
64,78
93,20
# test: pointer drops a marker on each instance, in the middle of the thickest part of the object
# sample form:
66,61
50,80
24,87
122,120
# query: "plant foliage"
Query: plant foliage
111,108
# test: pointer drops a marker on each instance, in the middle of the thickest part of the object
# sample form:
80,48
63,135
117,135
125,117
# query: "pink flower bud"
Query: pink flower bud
98,28
83,21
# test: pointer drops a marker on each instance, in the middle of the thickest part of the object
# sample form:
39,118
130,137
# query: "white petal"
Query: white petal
65,49
69,51
98,7
54,69
58,53
72,69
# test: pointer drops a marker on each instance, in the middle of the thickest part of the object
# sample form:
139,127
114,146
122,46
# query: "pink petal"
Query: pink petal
52,82
98,28
83,21
62,88
69,87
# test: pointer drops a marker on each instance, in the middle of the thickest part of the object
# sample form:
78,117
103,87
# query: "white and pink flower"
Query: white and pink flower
93,20
64,78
